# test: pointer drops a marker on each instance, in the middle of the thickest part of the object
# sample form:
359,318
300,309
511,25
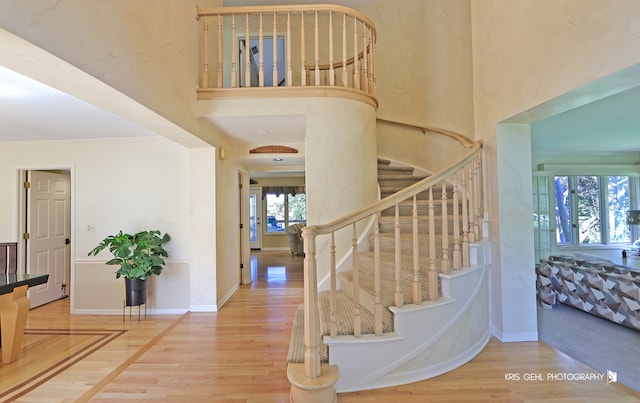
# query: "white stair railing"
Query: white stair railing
463,178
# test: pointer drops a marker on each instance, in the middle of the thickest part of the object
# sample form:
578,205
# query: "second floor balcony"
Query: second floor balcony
296,50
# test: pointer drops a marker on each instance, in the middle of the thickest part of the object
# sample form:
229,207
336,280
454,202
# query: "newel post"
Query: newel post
311,382
311,314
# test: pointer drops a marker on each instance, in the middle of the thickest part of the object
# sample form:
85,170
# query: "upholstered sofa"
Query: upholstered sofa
600,288
294,235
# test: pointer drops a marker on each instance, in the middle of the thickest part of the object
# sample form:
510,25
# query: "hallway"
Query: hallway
238,355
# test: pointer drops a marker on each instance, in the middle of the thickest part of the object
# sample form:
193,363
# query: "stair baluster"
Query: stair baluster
457,254
417,287
465,221
357,321
472,203
377,283
446,263
433,274
477,186
398,297
333,326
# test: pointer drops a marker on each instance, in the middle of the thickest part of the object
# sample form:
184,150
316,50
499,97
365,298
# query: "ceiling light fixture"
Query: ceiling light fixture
278,159
263,132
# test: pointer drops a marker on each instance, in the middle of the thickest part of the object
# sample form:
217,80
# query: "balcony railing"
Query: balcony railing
287,46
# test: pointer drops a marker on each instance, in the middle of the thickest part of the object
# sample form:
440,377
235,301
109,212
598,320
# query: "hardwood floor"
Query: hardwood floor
238,355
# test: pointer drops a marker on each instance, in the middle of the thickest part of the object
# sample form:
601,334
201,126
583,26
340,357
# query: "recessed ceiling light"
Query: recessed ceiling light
263,132
278,159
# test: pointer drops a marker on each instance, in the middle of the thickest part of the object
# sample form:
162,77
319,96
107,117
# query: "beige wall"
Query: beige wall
527,52
142,188
423,65
147,49
135,47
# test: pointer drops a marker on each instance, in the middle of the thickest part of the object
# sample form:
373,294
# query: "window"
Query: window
284,210
591,210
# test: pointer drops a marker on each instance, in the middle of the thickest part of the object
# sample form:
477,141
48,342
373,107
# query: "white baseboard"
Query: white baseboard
509,337
134,311
203,308
227,296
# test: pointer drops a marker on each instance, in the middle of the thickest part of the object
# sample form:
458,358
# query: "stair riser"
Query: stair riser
388,244
437,194
387,225
366,266
388,171
366,299
390,185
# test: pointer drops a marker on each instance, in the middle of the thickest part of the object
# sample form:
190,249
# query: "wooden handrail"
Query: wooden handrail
211,11
464,141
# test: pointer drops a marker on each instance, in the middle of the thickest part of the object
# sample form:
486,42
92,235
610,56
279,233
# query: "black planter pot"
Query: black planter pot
135,291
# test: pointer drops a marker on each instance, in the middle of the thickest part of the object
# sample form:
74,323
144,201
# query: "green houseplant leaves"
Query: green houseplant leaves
139,255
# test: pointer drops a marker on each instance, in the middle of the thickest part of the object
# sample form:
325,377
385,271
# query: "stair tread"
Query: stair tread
387,288
344,315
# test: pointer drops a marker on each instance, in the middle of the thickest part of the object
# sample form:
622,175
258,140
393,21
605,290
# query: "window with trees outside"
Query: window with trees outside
284,210
592,209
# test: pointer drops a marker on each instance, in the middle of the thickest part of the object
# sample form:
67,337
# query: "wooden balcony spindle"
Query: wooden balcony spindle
365,57
205,53
446,262
433,273
220,39
261,52
357,322
316,43
234,51
372,69
398,297
247,52
274,76
303,62
333,321
345,74
464,196
289,67
456,226
356,66
417,286
332,80
377,291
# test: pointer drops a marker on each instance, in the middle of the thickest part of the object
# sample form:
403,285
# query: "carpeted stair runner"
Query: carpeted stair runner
296,345
391,179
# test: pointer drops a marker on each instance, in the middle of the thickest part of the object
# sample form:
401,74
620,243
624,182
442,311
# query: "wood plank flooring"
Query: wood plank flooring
238,355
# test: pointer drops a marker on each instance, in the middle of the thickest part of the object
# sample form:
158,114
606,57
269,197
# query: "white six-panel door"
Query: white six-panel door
48,224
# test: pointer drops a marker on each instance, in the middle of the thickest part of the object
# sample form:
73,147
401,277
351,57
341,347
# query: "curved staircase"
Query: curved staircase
421,338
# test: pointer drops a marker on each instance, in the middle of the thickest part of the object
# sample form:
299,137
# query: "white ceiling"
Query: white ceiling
32,111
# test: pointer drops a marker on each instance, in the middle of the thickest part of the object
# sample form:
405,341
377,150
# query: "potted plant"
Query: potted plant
139,256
